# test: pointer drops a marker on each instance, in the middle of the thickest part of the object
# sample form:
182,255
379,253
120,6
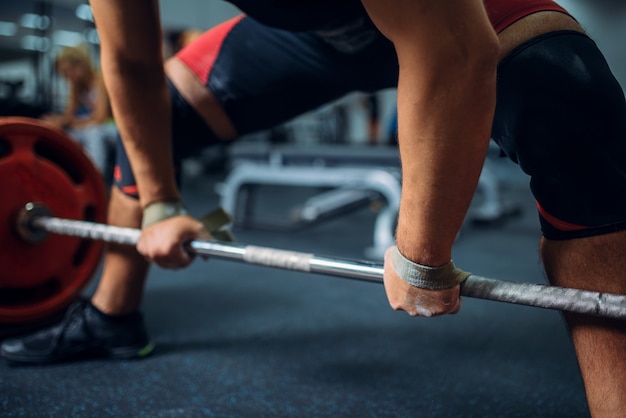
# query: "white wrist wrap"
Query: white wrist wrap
425,277
159,211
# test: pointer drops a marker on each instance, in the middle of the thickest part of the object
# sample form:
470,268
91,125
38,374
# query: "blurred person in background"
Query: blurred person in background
87,116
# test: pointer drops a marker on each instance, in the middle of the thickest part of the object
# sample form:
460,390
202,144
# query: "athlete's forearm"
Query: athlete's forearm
132,68
145,128
442,148
447,53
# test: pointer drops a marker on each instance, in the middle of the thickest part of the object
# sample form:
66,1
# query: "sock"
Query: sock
111,318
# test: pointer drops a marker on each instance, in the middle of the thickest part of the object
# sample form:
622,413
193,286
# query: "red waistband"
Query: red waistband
503,13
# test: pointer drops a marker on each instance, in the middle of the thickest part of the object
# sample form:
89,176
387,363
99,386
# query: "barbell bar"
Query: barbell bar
35,218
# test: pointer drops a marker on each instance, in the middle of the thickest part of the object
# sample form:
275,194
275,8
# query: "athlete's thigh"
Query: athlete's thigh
264,76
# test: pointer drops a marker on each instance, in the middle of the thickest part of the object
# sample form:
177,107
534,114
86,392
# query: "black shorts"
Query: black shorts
264,76
561,116
560,112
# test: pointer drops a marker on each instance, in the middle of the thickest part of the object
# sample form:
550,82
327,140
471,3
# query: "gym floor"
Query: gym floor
235,340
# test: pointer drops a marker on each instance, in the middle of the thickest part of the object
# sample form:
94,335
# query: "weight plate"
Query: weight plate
40,163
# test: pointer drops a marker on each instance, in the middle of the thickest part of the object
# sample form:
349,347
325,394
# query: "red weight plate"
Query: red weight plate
40,163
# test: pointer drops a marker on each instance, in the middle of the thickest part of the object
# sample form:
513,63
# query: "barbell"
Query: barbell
28,223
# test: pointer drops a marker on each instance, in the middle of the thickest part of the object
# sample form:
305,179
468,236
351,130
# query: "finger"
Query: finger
169,257
179,257
175,261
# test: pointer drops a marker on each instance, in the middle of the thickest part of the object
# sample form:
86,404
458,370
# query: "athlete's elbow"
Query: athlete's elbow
471,66
484,57
475,56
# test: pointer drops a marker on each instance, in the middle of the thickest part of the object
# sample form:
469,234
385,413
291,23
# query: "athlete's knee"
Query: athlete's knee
190,132
194,97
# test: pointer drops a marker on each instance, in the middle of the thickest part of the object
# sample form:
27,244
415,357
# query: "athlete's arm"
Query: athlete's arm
132,67
101,112
65,119
447,52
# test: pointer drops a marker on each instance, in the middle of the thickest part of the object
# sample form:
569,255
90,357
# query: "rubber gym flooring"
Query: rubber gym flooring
235,340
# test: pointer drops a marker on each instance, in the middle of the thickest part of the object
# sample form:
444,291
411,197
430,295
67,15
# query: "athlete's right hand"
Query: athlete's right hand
417,301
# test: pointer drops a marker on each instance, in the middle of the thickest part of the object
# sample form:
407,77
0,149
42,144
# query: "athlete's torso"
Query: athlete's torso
311,15
86,103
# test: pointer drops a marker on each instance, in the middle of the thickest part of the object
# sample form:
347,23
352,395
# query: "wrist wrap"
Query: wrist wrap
159,211
425,277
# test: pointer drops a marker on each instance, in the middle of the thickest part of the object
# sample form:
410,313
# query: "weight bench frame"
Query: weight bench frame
384,182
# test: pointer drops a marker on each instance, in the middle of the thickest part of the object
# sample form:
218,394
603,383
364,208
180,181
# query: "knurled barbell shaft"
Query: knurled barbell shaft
537,295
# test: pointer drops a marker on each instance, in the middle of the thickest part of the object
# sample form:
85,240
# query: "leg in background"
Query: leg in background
599,264
492,207
121,286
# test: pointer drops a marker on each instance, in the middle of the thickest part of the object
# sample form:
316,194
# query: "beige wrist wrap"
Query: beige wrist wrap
159,211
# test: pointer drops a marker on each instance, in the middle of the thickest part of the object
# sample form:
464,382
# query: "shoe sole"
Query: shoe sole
118,353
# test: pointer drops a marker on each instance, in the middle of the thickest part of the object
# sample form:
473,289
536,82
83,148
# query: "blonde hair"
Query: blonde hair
75,55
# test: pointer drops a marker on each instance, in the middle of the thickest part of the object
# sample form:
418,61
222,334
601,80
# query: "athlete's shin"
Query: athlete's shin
124,272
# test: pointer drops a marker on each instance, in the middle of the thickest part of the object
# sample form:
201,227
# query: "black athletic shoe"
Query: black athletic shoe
83,332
